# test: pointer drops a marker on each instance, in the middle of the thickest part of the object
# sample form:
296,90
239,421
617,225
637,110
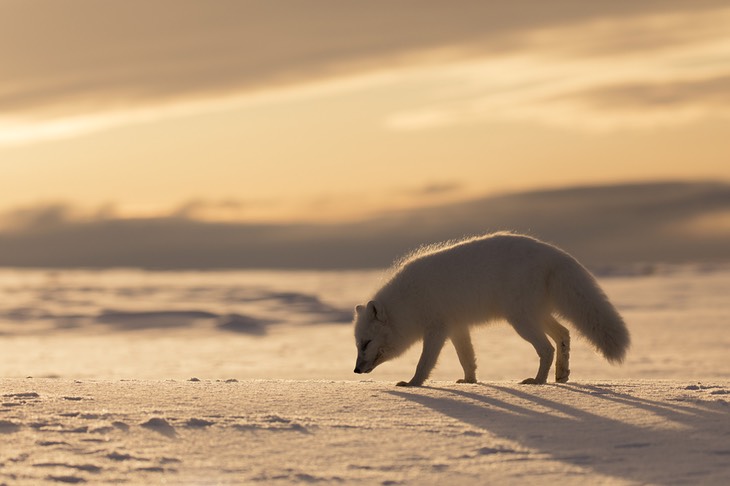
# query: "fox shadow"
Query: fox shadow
646,441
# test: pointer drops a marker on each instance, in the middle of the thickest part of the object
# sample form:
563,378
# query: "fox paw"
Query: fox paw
532,381
561,375
465,380
408,383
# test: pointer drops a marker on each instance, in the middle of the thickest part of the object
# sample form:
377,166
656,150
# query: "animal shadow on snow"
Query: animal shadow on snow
687,445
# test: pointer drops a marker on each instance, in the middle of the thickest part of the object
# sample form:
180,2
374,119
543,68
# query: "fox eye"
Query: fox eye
364,345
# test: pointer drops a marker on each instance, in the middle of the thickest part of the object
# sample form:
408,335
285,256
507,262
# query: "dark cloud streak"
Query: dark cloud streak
600,225
437,189
78,54
711,91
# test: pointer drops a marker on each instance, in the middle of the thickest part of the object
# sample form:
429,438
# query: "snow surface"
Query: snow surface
246,378
282,431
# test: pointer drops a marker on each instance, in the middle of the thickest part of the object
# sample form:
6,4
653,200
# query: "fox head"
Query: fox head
373,337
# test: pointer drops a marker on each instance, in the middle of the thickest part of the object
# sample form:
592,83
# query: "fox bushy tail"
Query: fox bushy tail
577,297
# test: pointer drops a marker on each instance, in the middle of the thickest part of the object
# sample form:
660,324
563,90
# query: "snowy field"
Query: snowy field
139,377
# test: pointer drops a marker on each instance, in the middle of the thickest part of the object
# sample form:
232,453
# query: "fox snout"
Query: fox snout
362,367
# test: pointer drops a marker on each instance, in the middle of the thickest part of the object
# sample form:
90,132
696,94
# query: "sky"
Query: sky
327,110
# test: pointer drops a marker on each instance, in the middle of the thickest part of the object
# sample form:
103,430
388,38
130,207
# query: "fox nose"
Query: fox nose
357,369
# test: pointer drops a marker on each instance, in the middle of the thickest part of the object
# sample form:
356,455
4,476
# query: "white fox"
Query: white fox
438,292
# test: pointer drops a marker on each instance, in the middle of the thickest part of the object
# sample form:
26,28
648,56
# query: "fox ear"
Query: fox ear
376,311
359,309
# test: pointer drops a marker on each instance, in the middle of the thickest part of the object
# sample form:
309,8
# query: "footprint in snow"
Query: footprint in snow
121,426
66,479
486,451
8,427
160,426
198,423
122,456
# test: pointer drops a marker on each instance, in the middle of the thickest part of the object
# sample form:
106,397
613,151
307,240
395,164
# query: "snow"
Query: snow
246,378
313,431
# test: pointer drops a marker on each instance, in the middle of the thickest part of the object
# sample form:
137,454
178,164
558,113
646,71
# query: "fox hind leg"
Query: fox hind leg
561,336
462,342
533,334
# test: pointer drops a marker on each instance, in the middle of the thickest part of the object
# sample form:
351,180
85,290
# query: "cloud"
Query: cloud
711,224
37,217
202,209
560,75
713,91
53,215
438,189
77,60
600,225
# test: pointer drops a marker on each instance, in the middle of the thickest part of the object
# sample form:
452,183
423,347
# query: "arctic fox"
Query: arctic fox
438,292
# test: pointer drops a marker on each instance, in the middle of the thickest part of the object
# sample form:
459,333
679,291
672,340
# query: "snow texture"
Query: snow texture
282,431
246,378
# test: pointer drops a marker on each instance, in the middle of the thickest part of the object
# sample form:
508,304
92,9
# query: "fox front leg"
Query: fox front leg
464,349
433,341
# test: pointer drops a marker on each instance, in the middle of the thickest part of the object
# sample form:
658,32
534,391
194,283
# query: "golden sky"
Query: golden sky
321,110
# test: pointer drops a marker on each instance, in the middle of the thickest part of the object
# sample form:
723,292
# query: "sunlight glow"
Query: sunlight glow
573,91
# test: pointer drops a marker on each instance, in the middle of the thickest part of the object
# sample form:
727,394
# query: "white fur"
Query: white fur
439,292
